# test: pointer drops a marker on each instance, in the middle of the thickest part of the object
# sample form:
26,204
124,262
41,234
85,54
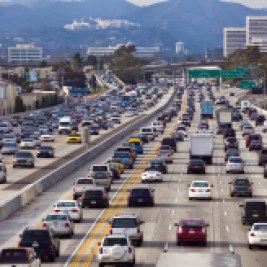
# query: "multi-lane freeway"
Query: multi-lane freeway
226,234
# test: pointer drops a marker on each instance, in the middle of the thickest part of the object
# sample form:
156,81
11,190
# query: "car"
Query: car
45,152
94,130
191,230
70,207
116,249
120,165
140,195
196,166
81,185
125,158
47,137
74,138
23,159
102,175
9,148
230,152
178,136
9,138
3,173
255,145
151,175
129,225
116,174
19,257
36,138
229,133
200,190
27,143
159,165
260,120
247,130
235,164
60,223
148,131
44,242
95,197
165,152
251,137
181,128
158,125
231,142
257,235
169,141
262,159
240,186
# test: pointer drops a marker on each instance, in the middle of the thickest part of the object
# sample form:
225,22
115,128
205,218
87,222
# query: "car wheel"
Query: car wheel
178,243
100,264
232,195
250,246
190,198
205,243
14,166
52,257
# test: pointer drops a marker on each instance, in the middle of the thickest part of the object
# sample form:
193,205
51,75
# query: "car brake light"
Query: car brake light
192,190
138,231
57,210
19,244
203,230
180,229
252,234
110,232
101,250
158,174
129,195
144,174
130,249
104,196
74,189
208,190
67,225
44,225
74,210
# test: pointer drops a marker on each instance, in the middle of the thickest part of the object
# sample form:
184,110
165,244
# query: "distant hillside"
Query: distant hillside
198,23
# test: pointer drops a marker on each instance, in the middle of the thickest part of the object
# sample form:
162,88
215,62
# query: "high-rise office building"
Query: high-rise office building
25,53
233,38
256,32
179,48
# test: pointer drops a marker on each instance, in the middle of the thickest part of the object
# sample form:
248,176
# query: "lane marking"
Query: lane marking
227,229
225,213
170,227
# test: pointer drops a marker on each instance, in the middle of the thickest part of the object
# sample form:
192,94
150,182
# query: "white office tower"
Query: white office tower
179,48
233,39
256,27
24,53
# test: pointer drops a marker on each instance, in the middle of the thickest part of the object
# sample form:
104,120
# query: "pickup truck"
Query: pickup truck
125,158
81,185
19,257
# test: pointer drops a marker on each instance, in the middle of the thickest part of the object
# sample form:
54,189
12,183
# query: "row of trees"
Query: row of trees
46,101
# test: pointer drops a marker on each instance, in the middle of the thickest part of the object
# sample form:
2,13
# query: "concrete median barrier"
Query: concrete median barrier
30,192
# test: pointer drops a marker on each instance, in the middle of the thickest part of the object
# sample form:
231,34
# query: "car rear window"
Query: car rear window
261,227
121,155
200,184
93,193
109,242
124,223
264,151
192,224
235,160
85,181
36,235
260,205
140,192
56,217
14,256
100,168
65,204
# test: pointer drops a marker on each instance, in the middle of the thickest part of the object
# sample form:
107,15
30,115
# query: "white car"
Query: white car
181,128
148,132
47,137
150,175
235,164
70,207
199,190
247,130
129,113
257,235
28,143
9,138
116,249
60,223
158,125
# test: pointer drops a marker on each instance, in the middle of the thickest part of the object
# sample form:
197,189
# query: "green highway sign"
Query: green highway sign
232,74
204,73
248,84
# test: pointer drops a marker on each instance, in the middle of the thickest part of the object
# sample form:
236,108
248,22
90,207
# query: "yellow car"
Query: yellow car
74,138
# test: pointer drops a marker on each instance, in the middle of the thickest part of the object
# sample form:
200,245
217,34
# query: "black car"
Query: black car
141,196
94,130
45,152
159,165
169,141
230,142
95,197
240,187
260,120
43,241
196,166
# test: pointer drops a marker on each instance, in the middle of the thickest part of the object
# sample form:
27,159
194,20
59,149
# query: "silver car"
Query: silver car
235,164
9,148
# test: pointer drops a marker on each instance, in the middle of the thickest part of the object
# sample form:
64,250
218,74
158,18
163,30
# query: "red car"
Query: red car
253,137
191,230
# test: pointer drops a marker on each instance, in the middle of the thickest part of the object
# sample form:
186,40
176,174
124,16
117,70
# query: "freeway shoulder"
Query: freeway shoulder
174,259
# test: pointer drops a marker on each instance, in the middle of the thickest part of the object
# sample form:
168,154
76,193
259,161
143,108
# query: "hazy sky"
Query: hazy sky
250,3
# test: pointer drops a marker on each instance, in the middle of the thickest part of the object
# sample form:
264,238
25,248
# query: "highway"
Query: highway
225,234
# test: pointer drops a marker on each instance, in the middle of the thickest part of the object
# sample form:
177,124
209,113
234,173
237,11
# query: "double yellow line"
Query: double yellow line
102,227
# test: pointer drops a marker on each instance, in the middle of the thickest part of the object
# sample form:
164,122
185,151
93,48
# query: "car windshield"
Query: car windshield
124,223
14,256
56,217
200,184
192,224
66,204
260,227
109,242
140,192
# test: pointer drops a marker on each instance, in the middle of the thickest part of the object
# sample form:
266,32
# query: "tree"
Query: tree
92,60
19,105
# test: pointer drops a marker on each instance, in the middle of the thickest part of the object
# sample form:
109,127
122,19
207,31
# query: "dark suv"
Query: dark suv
262,157
141,196
43,241
95,197
240,187
169,141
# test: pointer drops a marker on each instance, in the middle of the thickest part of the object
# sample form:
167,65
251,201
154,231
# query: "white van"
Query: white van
148,131
158,125
64,125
